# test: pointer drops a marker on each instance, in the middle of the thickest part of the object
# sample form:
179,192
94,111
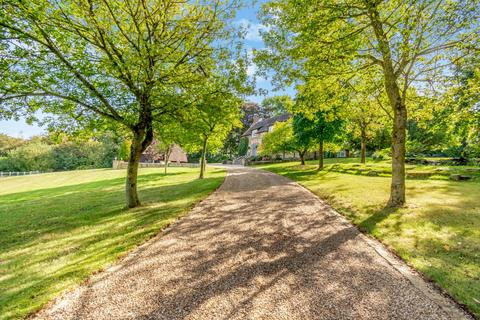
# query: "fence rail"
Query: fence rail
117,164
18,173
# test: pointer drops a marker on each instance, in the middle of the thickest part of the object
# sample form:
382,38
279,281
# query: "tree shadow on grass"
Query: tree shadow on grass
376,217
61,235
255,254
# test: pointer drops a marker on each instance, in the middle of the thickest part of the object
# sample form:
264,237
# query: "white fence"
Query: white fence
117,164
18,173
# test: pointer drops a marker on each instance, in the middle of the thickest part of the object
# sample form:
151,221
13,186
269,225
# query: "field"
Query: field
56,229
438,232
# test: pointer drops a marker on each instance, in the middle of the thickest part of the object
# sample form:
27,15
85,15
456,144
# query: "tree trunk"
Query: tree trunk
141,140
320,155
167,157
364,148
397,191
302,158
203,158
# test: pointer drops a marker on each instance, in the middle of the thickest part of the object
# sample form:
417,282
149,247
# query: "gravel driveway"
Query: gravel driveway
261,247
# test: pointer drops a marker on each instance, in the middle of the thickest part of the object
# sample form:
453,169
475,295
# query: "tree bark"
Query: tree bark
302,158
168,151
203,158
320,156
141,140
364,147
397,191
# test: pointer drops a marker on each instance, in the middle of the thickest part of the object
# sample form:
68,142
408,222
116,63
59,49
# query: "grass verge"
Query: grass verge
438,232
56,229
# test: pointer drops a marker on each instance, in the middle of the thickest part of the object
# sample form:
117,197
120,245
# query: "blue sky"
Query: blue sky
246,17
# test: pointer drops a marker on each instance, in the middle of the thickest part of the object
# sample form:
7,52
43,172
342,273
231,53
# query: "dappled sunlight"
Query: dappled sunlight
53,238
438,231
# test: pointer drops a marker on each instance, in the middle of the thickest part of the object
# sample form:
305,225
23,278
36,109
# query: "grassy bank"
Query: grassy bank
56,229
438,232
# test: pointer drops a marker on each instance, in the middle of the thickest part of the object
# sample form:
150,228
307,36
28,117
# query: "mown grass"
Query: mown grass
56,229
438,232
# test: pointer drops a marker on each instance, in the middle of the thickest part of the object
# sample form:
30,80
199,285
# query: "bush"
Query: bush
29,157
383,154
40,154
243,146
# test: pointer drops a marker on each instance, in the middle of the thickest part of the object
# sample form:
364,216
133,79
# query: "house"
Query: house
258,129
153,155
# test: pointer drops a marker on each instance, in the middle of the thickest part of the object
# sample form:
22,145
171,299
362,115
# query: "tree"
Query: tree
303,137
234,139
365,99
168,133
216,113
275,106
405,42
8,143
243,146
279,140
125,63
322,127
462,106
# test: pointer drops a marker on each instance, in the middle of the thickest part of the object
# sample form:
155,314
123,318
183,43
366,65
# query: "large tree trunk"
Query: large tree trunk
320,156
203,158
141,140
364,147
397,191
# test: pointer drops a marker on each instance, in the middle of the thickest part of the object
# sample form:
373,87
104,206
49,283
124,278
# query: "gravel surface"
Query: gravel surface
261,247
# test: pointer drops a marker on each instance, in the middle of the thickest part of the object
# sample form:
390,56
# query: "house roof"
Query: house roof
263,125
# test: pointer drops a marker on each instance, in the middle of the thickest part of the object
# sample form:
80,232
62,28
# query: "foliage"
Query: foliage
112,64
303,133
7,143
463,108
243,146
59,228
215,114
275,106
323,127
279,140
32,156
42,154
402,43
383,154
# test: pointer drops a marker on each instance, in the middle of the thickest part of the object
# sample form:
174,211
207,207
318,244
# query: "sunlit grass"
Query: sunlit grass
56,229
438,232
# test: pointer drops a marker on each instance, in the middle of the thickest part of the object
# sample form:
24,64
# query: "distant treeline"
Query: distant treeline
45,154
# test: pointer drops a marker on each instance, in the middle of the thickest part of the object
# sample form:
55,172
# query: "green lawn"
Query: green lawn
58,228
438,232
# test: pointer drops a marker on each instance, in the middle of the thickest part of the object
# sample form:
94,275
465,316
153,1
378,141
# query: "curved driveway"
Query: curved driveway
260,247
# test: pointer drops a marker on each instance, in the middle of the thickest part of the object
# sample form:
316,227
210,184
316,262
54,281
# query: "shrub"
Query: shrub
29,157
243,146
383,154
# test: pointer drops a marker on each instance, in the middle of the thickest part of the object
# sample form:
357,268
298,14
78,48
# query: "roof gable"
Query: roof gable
263,125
